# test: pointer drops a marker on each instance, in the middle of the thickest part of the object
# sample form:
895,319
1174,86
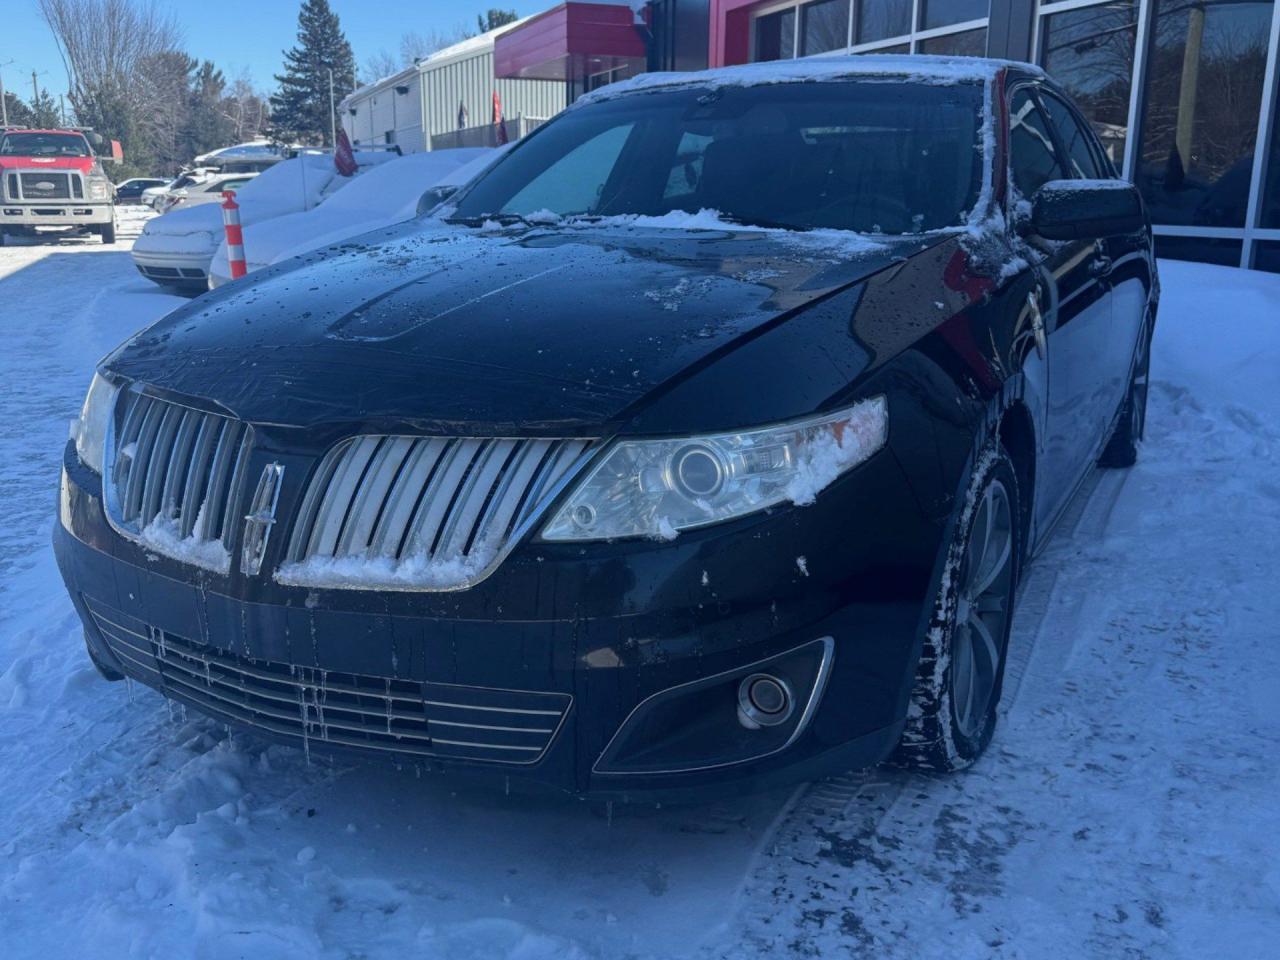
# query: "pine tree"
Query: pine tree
493,19
45,112
300,108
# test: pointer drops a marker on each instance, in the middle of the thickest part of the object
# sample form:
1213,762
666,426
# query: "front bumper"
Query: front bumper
560,651
188,269
55,214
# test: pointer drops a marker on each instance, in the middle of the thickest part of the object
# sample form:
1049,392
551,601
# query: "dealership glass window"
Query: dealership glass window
943,13
1270,212
881,19
967,43
1204,249
776,36
1266,256
824,26
1200,109
1033,161
1090,52
1079,154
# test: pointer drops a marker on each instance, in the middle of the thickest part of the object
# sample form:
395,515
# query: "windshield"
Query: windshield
869,156
44,145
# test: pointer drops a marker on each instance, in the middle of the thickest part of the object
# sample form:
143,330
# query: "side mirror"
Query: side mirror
1084,209
433,197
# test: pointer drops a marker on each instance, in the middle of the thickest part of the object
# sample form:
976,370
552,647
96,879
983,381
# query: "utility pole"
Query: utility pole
4,106
333,115
35,91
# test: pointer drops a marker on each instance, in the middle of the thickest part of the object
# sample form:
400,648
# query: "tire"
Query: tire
108,232
4,236
1122,449
952,714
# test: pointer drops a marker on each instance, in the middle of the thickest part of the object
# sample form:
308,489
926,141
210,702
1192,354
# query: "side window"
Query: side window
1032,158
1080,155
574,182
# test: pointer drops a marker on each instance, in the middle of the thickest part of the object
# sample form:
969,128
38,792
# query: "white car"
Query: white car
207,191
391,194
153,196
174,250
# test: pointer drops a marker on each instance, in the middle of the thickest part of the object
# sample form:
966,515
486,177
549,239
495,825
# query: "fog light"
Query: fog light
764,701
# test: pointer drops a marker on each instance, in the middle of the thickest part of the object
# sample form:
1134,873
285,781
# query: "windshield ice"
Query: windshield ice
888,157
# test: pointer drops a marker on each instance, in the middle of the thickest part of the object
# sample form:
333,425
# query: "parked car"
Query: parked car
155,197
389,194
175,250
701,441
130,191
207,191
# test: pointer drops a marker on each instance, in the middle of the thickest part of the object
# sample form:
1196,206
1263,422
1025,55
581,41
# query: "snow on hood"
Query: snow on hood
385,195
924,69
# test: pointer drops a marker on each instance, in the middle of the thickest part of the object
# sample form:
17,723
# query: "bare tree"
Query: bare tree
414,46
115,54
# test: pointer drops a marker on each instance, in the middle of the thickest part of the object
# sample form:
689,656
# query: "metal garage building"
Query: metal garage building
446,100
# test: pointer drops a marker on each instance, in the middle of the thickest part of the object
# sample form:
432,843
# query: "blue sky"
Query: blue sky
239,34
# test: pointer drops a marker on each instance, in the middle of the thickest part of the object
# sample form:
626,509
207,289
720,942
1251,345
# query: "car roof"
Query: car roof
912,67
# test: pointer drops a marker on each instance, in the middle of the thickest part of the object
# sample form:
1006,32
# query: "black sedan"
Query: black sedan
702,440
130,191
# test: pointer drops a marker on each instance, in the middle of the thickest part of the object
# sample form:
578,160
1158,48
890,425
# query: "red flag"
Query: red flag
500,128
344,158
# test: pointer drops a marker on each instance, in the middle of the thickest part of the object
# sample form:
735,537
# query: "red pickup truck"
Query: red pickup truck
54,178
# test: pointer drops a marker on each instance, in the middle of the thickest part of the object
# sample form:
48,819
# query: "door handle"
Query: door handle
1100,267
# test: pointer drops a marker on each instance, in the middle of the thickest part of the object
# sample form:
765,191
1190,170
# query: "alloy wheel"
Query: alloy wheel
982,610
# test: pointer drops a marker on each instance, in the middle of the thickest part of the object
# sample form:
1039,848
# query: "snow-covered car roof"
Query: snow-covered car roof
924,69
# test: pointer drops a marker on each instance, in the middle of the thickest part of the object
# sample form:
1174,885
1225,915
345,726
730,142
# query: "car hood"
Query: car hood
561,331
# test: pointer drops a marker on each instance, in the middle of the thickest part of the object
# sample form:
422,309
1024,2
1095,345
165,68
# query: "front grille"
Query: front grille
11,187
46,186
421,512
172,477
448,721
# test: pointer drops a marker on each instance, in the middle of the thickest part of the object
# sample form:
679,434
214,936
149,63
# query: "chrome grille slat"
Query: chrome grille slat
451,507
172,463
402,498
315,706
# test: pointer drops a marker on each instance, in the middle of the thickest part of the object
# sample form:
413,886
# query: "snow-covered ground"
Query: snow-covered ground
1128,807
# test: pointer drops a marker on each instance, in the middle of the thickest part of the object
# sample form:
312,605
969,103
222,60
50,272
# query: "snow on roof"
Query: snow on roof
469,47
925,69
392,79
251,149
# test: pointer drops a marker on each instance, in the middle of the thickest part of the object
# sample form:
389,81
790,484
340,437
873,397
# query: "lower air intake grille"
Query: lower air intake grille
172,476
442,720
394,512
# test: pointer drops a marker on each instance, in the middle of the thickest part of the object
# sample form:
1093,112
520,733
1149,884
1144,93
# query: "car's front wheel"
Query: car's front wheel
952,713
108,232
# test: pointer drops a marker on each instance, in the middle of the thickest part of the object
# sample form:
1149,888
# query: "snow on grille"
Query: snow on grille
434,513
171,478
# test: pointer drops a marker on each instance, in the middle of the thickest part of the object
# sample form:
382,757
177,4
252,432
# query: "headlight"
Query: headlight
656,488
90,431
98,189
